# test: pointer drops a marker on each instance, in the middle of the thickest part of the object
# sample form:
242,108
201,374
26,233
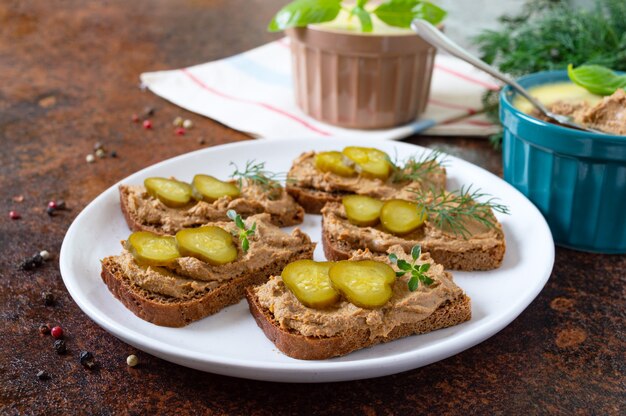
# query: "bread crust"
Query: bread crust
164,311
135,223
303,347
313,200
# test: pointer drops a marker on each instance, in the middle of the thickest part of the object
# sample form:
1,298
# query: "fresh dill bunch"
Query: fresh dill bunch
549,35
256,173
451,210
416,168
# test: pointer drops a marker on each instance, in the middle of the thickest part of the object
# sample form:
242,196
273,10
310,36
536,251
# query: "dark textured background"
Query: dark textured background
68,78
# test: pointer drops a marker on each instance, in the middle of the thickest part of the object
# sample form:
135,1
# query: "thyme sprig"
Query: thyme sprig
256,173
418,272
417,168
243,232
452,210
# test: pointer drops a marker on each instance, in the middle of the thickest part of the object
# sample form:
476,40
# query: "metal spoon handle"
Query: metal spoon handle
434,36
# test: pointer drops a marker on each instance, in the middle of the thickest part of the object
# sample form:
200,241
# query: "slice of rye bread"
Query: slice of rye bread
132,208
313,189
466,255
303,347
169,311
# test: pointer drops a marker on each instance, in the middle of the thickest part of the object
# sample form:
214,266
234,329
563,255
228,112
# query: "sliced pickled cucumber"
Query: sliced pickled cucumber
401,217
333,162
370,162
171,192
308,280
211,188
362,210
365,283
151,249
210,244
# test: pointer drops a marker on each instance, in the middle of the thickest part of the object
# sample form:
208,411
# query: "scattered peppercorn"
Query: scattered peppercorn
38,259
45,255
90,158
61,204
30,263
147,124
52,204
60,347
50,211
57,332
178,122
100,153
148,111
180,131
132,360
48,298
187,124
18,198
42,375
87,360
44,329
14,215
135,118
113,153
201,140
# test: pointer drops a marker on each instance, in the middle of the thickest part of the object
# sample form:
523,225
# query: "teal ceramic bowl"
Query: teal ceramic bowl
577,179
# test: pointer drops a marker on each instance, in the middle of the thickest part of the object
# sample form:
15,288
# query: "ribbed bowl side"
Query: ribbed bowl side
583,200
361,90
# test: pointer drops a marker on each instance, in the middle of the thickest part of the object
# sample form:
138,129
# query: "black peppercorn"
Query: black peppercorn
113,153
44,329
50,211
38,259
42,375
48,298
60,204
148,111
27,264
87,360
60,347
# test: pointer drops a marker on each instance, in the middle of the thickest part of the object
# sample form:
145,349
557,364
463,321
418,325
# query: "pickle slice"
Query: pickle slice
365,283
370,162
308,280
210,244
401,217
362,210
171,192
211,188
333,162
151,249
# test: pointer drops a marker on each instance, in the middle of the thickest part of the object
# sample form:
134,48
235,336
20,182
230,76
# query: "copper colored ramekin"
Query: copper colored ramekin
360,81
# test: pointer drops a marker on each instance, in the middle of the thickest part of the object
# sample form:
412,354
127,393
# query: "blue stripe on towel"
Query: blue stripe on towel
262,73
421,125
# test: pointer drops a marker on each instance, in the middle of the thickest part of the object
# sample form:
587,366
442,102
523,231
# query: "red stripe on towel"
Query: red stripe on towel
461,75
469,110
257,103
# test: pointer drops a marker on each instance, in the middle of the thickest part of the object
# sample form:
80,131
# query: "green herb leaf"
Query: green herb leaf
404,265
400,274
413,283
424,268
393,258
245,244
596,79
364,18
244,233
231,214
305,12
401,13
426,280
416,251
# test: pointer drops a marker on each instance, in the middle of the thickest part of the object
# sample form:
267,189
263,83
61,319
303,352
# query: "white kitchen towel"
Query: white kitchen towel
252,92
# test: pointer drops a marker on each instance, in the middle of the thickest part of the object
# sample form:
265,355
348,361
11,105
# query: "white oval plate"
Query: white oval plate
230,342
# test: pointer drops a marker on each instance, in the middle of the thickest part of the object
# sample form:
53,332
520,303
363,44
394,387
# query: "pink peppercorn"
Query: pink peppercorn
147,124
135,118
57,332
52,205
14,215
180,131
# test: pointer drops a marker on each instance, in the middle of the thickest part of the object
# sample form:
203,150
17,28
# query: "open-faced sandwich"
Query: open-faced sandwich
316,178
318,310
456,228
167,205
175,280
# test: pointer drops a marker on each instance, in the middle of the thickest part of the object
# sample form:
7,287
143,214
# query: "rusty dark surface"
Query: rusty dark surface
69,78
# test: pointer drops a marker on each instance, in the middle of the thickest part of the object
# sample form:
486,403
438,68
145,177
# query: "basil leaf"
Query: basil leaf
402,12
416,251
413,283
300,13
364,18
596,79
403,265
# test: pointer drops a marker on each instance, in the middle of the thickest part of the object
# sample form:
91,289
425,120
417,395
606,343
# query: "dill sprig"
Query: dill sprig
452,210
256,173
417,168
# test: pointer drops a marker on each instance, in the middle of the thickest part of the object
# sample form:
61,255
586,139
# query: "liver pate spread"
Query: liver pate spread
304,174
253,200
428,236
608,115
188,277
403,307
